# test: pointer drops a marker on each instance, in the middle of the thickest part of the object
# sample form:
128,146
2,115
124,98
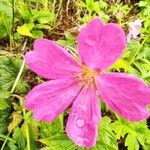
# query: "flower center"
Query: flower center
87,75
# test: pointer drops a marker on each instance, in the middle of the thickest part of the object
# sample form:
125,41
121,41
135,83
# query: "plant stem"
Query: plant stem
24,113
20,71
137,51
13,88
5,142
13,20
18,76
28,138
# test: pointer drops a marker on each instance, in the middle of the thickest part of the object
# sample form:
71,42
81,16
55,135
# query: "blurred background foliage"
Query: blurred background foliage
22,21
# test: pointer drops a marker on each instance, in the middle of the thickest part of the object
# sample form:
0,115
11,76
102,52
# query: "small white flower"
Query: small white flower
134,29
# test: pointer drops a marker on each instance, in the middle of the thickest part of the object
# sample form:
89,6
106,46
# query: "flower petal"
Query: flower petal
100,45
49,99
124,94
82,124
51,61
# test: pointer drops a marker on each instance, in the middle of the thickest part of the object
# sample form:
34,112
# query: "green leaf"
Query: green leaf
19,138
37,34
43,16
11,146
132,47
121,64
25,12
9,69
131,142
25,30
3,30
3,104
58,142
30,130
50,129
4,95
4,120
107,139
5,8
69,41
137,133
4,110
22,87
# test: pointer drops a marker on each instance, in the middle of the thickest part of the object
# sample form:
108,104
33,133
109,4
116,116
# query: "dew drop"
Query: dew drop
67,62
90,41
82,107
80,123
73,93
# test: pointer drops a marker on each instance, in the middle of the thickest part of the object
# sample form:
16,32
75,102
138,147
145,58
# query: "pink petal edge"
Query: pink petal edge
49,99
100,45
82,124
51,61
124,94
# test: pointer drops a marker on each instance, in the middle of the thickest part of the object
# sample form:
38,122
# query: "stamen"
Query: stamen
87,75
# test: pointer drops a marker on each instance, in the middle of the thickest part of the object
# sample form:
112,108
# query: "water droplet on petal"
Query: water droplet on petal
72,93
82,140
91,41
67,62
80,123
82,107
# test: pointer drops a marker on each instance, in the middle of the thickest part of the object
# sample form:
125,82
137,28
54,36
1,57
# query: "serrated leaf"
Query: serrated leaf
9,69
137,133
22,87
106,138
50,129
58,142
3,104
4,116
11,146
121,64
131,142
31,130
19,138
4,95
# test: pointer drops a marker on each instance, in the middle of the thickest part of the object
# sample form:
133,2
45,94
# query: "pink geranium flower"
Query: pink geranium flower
134,29
80,83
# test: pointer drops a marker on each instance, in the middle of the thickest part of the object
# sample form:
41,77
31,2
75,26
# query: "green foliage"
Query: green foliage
106,139
4,110
58,142
69,41
136,133
49,18
19,138
94,8
5,20
35,20
50,129
4,116
9,69
4,95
